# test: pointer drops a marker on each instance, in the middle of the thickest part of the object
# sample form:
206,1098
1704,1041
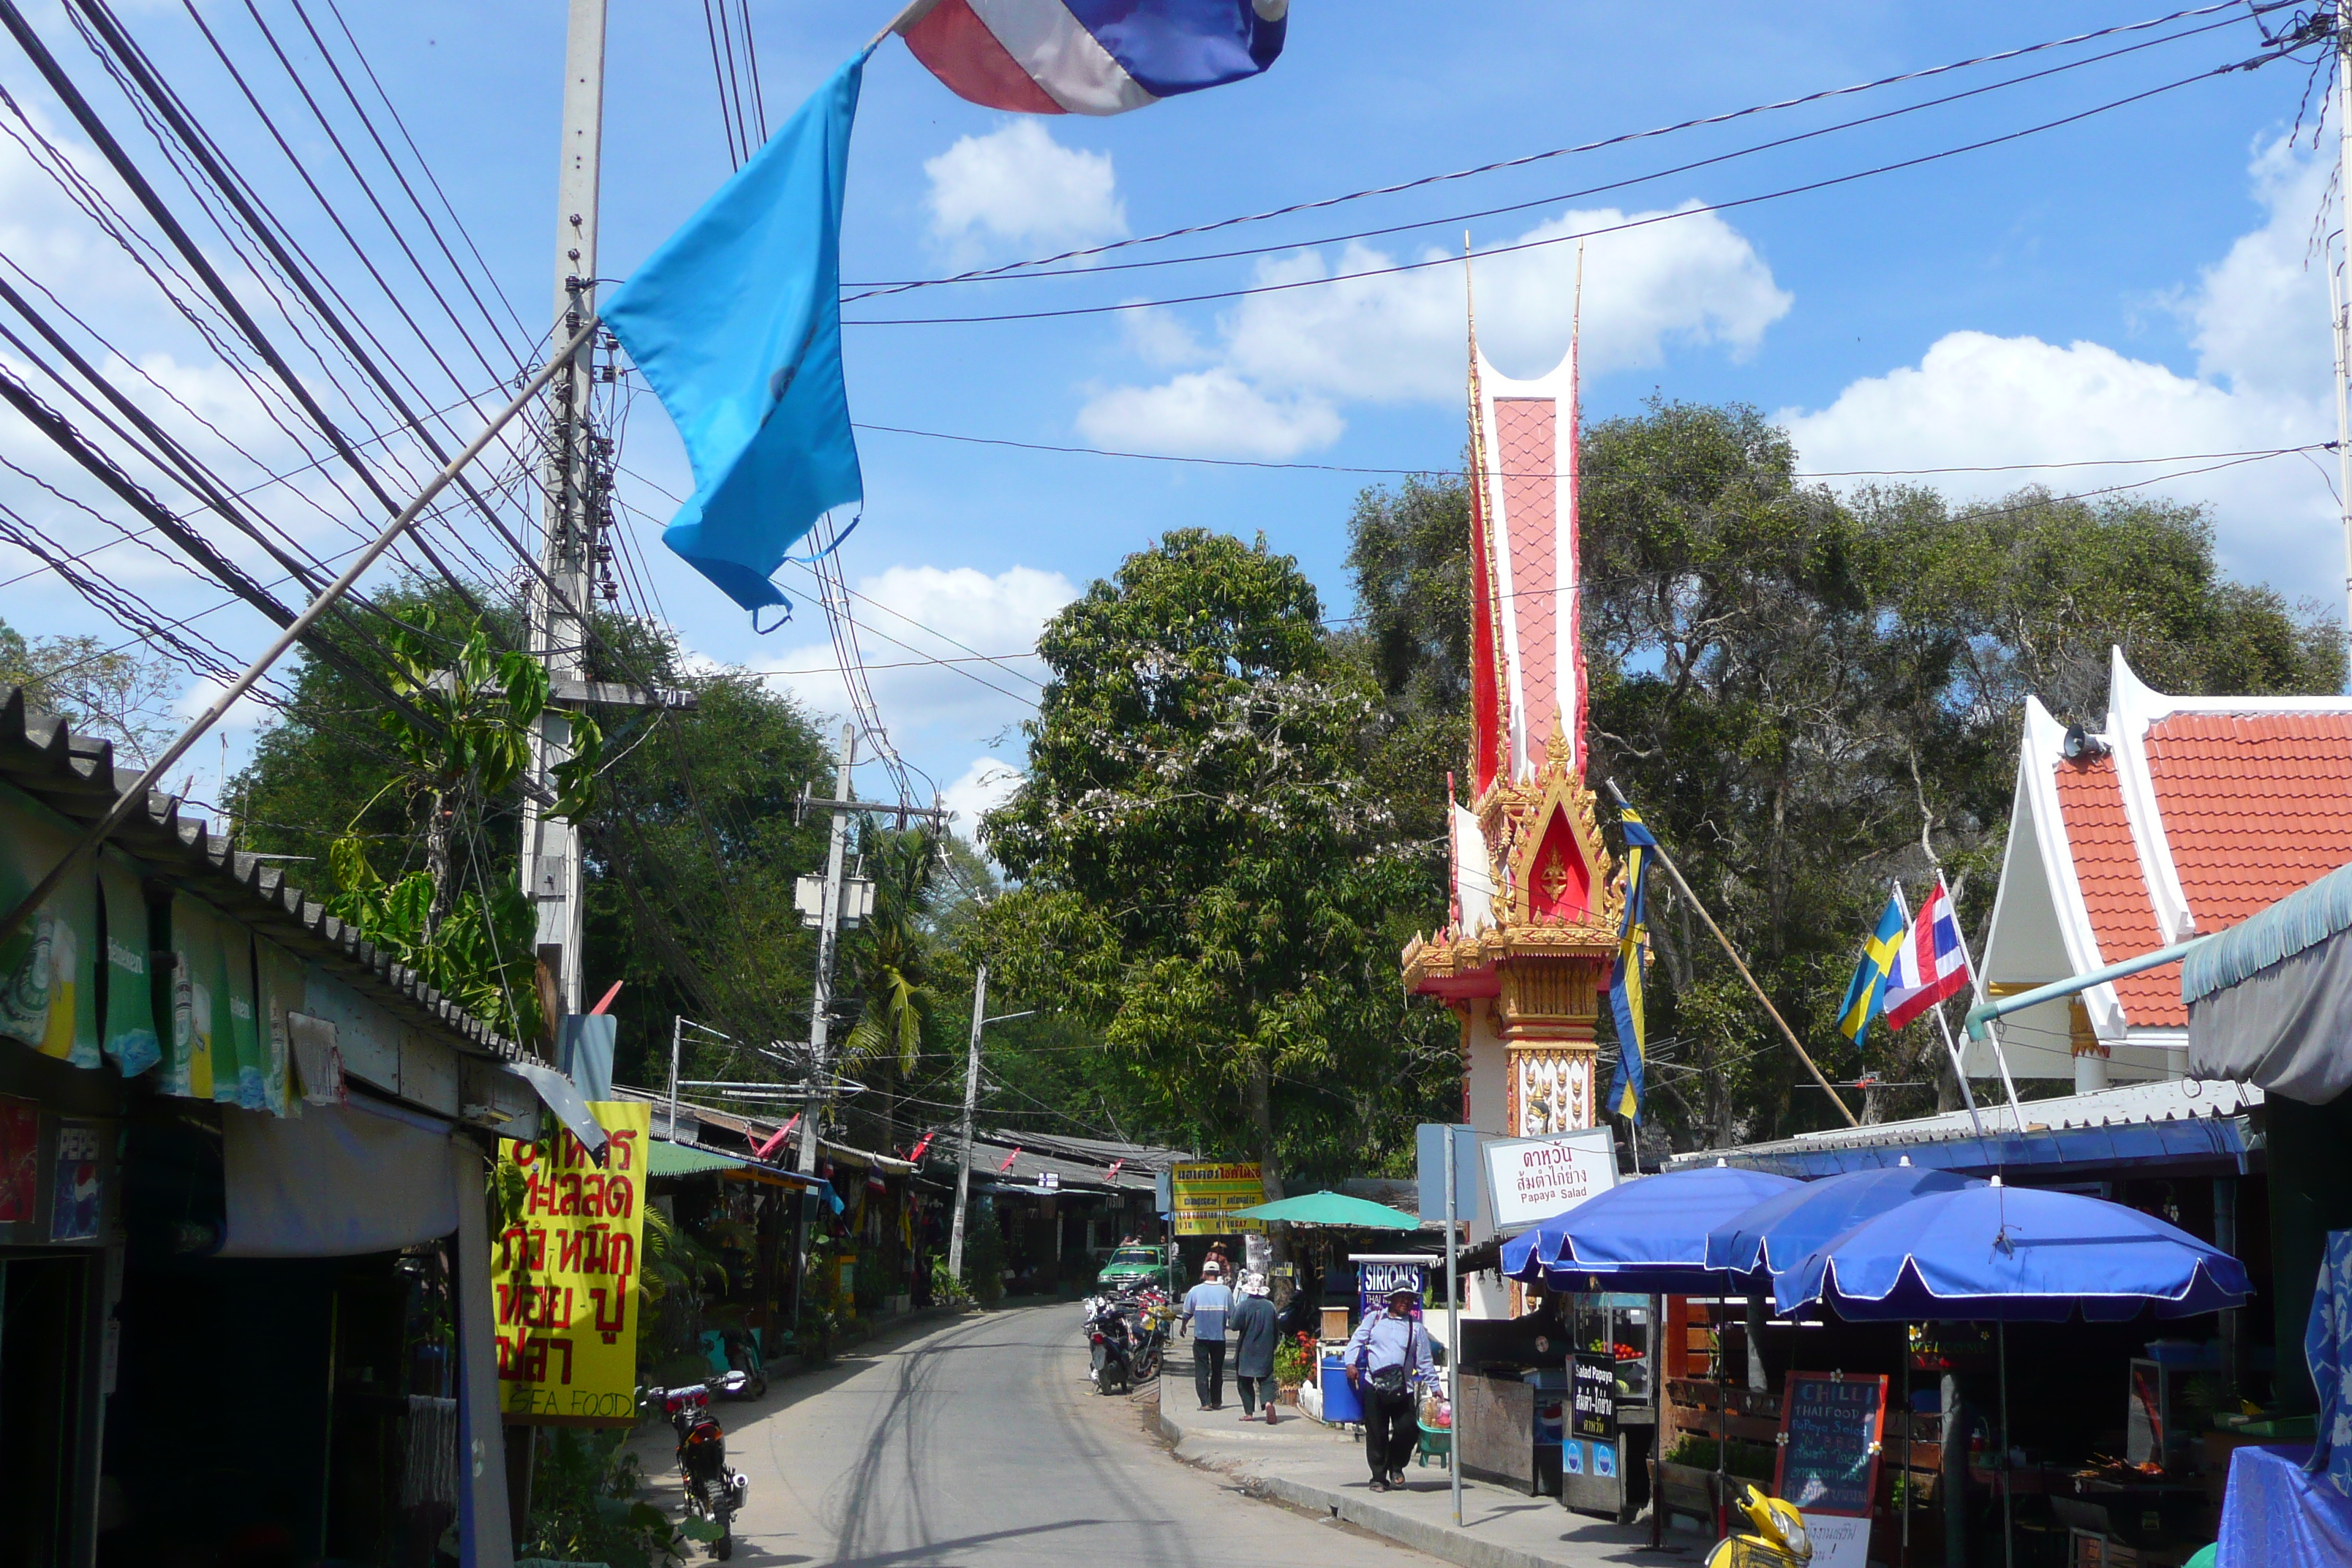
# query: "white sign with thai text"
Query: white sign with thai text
1529,1179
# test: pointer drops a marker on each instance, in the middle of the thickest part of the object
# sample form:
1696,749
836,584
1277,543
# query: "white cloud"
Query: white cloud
986,784
2255,316
945,648
2257,321
1018,185
1209,413
1284,358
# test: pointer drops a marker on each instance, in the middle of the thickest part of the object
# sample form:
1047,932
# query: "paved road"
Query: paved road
981,1443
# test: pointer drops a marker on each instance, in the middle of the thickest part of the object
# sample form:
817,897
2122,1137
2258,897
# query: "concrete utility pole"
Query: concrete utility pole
828,936
559,635
970,1097
2339,292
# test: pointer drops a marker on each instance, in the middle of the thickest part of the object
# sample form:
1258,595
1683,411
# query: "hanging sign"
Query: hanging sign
1530,1179
1830,1430
1592,1398
1206,1195
564,1275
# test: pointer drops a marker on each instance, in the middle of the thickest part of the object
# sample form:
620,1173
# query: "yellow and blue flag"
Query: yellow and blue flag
1865,996
1625,984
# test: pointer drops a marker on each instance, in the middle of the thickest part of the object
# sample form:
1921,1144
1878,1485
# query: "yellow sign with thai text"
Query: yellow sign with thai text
565,1275
1207,1193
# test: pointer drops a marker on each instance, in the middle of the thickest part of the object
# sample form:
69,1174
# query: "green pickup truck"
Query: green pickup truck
1132,1266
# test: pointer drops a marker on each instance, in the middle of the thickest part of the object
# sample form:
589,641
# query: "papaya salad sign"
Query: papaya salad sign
564,1274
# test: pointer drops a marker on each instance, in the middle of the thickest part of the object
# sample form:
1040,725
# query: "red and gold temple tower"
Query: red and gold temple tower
1524,957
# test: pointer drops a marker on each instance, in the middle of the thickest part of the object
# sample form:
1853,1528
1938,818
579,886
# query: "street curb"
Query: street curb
1439,1541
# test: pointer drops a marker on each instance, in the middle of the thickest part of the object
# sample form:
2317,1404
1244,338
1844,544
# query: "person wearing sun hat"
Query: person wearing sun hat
1254,1327
1387,1351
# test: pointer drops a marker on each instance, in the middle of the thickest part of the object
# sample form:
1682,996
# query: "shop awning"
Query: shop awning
669,1158
2270,1000
1332,1208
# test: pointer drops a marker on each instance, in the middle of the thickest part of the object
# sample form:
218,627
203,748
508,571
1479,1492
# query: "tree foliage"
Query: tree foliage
1807,696
1204,872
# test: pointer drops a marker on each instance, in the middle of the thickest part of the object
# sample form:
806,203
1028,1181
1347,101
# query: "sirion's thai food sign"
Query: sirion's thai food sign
1529,1179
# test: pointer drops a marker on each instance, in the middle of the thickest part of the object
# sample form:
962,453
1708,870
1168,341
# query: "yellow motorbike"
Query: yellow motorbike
1777,1538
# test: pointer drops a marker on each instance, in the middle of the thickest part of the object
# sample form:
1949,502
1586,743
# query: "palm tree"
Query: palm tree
892,968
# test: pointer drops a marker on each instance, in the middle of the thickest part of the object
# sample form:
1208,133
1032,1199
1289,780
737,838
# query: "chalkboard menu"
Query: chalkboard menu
1592,1406
1830,1427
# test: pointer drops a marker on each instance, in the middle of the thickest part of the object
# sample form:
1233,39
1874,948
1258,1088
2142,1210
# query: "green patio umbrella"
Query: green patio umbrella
1333,1208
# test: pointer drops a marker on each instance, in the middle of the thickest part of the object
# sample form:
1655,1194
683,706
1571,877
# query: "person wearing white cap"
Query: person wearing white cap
1206,1306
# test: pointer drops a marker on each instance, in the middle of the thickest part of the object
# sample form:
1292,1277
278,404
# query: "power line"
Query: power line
1525,159
1530,473
1692,210
1775,145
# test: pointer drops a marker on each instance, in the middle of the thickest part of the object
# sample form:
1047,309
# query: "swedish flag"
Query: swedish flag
1866,998
1625,985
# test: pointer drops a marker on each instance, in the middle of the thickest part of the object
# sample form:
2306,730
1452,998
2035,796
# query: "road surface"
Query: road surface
980,1443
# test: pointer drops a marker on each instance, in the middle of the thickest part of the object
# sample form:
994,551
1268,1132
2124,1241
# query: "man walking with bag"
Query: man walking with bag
1387,1350
1206,1307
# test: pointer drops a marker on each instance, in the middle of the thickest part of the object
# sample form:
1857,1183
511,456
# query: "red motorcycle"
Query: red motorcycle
714,1491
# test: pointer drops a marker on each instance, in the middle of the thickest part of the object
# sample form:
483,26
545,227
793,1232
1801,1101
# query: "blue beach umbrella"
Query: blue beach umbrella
1995,1254
1646,1237
1776,1234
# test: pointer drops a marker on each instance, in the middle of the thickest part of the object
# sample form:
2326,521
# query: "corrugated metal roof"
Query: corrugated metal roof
2135,1125
75,776
668,1159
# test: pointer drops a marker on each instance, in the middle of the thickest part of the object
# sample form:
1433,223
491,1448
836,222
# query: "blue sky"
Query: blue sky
2131,286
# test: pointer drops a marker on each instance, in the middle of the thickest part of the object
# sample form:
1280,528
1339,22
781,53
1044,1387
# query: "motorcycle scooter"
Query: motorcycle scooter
715,1492
1109,1350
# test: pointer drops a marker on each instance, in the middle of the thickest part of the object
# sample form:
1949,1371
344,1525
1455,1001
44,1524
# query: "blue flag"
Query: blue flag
736,323
1627,999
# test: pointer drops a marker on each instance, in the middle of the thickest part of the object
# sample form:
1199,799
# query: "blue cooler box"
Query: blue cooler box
1340,1403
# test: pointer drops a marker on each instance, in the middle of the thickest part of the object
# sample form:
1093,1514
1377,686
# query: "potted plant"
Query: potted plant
1294,1363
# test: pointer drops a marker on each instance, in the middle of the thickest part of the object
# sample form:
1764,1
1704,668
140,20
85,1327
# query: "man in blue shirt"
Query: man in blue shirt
1388,1348
1205,1308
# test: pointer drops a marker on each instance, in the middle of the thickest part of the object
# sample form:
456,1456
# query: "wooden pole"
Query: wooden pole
1733,953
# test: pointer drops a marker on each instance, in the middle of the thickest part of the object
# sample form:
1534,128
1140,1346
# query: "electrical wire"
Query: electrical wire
1693,209
2219,6
1456,219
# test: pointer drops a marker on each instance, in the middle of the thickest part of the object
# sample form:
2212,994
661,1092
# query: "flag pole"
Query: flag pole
1976,984
135,798
1951,1047
909,14
1733,953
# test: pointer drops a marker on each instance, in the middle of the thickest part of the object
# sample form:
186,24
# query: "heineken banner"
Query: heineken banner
1206,1195
565,1272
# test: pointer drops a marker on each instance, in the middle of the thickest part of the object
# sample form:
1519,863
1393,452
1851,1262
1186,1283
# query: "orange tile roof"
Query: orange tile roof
2123,917
2256,805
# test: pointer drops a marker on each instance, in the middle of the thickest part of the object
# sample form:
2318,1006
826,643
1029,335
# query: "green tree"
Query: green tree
1807,696
692,848
1203,873
118,694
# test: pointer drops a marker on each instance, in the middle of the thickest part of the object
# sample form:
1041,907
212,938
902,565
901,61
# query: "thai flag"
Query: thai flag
1931,964
1092,57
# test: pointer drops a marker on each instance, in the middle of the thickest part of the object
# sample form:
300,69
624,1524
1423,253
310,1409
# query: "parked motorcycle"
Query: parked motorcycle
714,1490
738,1371
1109,1346
1775,1538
